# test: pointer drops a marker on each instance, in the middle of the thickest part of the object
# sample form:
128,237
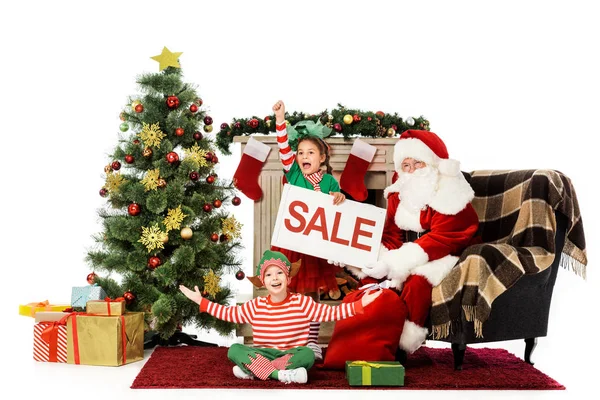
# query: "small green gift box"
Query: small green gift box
375,373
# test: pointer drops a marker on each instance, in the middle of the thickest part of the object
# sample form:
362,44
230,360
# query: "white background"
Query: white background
506,84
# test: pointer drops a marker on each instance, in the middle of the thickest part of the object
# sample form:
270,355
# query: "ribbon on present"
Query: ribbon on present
108,300
366,369
50,336
42,304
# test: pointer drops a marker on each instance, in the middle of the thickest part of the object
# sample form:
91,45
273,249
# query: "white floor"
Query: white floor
566,355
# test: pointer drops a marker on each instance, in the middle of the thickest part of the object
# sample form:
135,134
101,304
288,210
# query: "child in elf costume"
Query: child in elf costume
280,323
303,168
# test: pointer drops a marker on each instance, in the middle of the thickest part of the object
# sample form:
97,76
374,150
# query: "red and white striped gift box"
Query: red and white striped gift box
50,342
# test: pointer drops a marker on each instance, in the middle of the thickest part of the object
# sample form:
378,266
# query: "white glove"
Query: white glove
377,270
336,263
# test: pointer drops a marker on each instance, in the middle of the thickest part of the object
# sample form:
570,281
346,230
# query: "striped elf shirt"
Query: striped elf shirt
281,325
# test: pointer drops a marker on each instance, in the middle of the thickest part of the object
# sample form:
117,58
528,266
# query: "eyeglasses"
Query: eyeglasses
407,166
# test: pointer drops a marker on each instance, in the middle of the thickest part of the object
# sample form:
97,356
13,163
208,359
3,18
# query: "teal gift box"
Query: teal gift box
375,373
81,294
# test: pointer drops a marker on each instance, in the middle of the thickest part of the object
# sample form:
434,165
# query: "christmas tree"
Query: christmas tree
165,223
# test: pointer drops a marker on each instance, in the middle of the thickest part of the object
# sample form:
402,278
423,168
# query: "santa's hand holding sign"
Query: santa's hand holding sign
430,201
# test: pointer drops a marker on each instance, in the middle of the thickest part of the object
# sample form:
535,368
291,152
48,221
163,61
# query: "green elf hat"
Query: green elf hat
273,258
304,129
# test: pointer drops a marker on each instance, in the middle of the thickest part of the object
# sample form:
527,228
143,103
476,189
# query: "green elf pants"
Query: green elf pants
262,362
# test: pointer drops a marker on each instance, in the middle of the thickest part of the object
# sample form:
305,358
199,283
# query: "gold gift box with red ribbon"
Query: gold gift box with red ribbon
105,340
30,309
107,306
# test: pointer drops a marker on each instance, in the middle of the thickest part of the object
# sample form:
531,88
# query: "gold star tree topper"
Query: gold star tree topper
167,59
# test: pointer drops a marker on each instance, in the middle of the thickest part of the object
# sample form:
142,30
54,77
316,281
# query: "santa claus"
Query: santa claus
429,222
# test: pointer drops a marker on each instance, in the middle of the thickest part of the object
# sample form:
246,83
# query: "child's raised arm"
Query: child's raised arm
285,151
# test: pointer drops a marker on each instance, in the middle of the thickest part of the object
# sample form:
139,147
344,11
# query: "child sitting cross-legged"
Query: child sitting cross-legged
280,323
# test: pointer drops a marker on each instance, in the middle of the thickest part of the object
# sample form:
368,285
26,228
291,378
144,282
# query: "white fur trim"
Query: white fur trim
413,148
403,260
256,149
407,220
412,336
357,272
435,271
453,195
449,167
393,188
363,150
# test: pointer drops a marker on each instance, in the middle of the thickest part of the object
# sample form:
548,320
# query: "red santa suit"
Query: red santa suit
447,223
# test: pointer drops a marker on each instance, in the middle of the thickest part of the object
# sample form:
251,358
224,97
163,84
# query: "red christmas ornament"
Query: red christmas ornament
337,127
134,209
139,108
207,207
208,156
217,203
172,102
253,123
224,126
197,135
116,165
208,120
237,125
267,118
179,132
103,192
210,179
214,237
129,297
199,101
193,108
194,176
369,118
380,114
223,237
236,201
214,159
394,127
154,262
136,141
91,278
129,159
240,275
356,118
172,157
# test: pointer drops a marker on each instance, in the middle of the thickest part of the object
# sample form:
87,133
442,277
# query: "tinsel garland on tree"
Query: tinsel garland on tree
346,122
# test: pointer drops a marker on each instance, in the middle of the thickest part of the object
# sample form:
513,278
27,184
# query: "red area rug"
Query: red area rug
426,369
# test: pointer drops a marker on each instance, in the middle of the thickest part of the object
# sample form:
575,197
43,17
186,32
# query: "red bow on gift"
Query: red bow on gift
108,300
45,304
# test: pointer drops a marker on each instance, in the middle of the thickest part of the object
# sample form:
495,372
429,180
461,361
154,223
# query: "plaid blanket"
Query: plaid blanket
517,226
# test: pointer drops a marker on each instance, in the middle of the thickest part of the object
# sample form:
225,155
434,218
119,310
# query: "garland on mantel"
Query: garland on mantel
344,121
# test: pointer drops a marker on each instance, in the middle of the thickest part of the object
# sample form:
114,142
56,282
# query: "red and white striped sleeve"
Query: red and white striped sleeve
236,314
286,155
324,312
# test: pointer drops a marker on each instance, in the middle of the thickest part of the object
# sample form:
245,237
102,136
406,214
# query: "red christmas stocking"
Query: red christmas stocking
247,172
353,176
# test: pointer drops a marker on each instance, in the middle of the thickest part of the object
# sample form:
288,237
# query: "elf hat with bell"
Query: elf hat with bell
427,147
273,258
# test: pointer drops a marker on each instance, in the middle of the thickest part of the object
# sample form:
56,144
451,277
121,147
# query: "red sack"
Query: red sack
372,336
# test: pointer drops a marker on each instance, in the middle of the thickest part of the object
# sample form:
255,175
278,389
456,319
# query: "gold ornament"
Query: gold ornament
330,117
147,152
231,227
108,169
211,283
348,119
187,233
391,132
113,182
152,238
196,155
174,218
166,239
268,123
208,128
151,134
161,183
135,103
150,181
167,59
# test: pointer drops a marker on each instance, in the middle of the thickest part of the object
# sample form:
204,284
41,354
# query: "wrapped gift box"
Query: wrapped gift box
30,309
374,373
50,341
106,306
49,316
105,340
80,295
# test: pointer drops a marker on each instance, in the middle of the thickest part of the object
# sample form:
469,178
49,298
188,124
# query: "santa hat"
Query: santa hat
427,147
269,259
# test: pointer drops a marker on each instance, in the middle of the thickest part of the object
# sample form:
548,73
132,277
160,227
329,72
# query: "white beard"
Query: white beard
417,189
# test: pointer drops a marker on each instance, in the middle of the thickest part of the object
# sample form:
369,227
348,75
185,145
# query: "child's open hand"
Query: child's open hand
338,197
194,295
369,297
279,110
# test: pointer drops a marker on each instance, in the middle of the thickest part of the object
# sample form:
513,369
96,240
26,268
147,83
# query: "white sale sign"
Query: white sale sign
309,223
